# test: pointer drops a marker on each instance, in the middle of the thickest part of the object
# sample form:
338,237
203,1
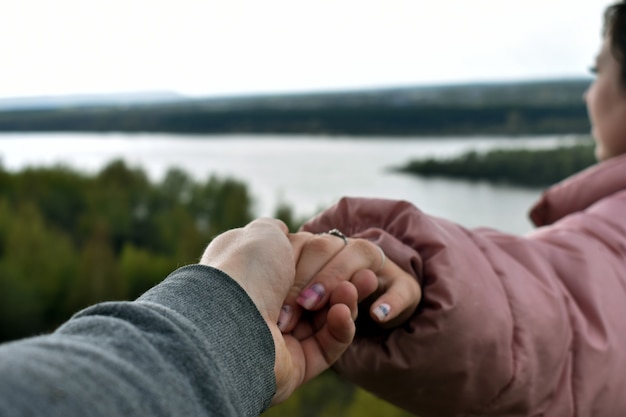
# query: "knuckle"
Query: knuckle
334,273
363,246
365,250
321,244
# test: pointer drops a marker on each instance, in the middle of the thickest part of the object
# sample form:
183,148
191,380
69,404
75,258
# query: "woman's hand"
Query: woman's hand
326,260
315,342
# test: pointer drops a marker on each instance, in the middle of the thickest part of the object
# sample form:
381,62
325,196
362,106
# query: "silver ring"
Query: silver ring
336,232
382,261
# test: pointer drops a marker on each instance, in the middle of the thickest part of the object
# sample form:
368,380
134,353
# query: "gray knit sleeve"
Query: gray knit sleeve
194,345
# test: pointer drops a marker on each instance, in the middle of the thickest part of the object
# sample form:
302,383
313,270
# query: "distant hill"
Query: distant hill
550,106
541,92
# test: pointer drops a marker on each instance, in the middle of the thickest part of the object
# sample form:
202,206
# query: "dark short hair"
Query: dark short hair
615,28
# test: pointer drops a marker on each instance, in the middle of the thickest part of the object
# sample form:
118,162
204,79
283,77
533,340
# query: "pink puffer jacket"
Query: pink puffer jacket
508,325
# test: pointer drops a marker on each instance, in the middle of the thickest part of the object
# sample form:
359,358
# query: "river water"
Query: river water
306,172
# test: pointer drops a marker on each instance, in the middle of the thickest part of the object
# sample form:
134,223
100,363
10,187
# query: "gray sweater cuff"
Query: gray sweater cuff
228,321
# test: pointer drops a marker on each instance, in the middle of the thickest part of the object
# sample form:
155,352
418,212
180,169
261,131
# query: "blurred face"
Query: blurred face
606,105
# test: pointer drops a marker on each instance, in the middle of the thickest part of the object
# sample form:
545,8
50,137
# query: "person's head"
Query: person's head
606,97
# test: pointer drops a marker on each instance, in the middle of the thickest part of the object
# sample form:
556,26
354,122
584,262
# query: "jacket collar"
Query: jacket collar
579,191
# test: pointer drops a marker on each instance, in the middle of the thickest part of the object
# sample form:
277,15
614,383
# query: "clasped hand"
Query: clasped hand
287,274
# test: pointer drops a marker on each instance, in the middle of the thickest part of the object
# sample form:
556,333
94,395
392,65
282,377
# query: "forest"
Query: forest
520,167
68,240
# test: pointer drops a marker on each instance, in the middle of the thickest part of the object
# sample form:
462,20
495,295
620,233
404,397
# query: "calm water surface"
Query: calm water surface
306,172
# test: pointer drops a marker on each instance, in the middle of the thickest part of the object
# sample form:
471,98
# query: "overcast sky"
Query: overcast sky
213,48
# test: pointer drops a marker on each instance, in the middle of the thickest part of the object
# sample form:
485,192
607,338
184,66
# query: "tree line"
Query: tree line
68,240
520,167
537,107
363,120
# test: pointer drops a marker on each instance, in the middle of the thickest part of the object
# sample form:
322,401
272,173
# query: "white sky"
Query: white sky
211,47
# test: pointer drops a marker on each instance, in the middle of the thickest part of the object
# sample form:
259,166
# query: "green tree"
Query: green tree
58,192
219,205
120,196
36,269
98,277
68,239
523,167
179,236
141,269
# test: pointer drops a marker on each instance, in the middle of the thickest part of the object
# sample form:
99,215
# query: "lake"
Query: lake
306,172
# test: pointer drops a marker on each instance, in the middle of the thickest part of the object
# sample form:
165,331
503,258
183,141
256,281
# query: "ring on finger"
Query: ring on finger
337,232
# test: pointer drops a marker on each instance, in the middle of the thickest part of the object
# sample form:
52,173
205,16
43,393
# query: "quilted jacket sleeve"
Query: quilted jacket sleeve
494,332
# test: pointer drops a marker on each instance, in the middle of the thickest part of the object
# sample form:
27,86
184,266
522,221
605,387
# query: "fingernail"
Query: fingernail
311,296
283,317
382,311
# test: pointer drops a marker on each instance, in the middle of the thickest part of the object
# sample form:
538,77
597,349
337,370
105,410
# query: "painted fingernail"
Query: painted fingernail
311,296
382,311
283,317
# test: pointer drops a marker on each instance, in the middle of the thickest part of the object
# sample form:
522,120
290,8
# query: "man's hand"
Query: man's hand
261,257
